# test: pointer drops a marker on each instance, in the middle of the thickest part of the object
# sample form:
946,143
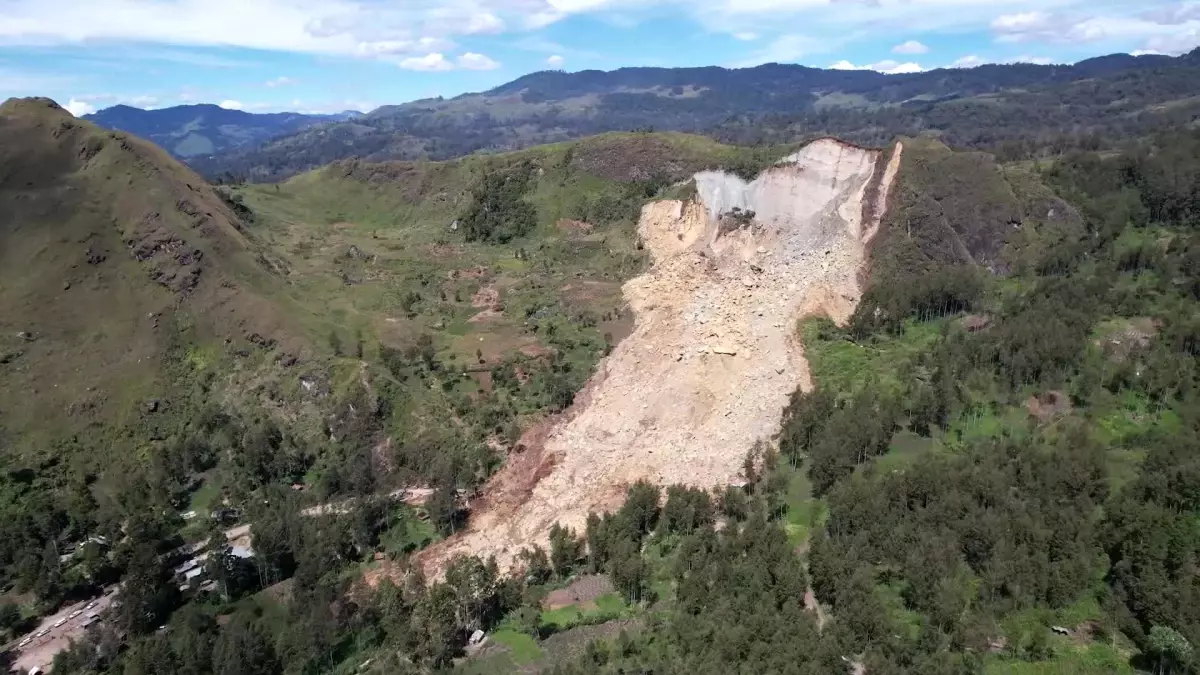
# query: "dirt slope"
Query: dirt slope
714,354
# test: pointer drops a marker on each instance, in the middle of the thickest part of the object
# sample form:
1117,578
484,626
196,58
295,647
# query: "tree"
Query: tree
147,594
151,655
498,211
1170,650
10,615
244,649
192,634
475,584
565,548
435,626
234,575
536,565
640,511
628,571
442,507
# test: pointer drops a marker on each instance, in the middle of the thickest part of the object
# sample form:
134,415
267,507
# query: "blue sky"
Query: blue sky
331,55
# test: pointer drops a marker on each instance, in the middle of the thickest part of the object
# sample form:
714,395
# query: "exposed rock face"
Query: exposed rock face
714,354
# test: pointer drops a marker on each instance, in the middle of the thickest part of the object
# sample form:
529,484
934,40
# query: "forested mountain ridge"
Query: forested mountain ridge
199,130
978,107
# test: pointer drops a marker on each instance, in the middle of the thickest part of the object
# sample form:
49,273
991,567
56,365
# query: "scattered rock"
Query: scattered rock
66,285
356,253
265,343
477,637
152,406
26,336
976,322
9,357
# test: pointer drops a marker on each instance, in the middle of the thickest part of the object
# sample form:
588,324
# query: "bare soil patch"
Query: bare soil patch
570,644
582,591
486,297
574,227
713,356
1049,405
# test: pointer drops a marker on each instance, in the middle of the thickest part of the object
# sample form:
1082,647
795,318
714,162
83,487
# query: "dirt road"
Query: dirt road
40,651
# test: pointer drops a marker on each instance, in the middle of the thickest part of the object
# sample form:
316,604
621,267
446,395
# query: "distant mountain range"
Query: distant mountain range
189,131
983,107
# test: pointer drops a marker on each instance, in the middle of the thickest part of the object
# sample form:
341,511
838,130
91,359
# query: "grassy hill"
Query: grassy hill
123,276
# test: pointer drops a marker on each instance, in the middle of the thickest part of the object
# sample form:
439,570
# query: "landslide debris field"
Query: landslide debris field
714,353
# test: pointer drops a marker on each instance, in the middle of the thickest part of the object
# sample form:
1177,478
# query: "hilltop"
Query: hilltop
980,107
200,130
124,277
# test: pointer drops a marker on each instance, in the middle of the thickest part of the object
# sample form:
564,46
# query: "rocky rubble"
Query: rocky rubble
714,354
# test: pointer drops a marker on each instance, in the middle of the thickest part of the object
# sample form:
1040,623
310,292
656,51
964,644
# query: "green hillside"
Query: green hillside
396,271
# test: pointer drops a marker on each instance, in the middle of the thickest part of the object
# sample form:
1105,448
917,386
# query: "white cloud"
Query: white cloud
556,61
886,66
230,104
1171,29
387,49
538,20
363,28
786,49
473,61
79,108
1021,23
972,61
484,22
1174,44
408,31
433,62
910,47
969,61
282,81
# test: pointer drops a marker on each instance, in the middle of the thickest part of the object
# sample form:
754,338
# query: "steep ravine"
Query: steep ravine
714,354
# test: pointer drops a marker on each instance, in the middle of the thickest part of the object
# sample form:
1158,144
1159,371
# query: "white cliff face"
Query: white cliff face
714,354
